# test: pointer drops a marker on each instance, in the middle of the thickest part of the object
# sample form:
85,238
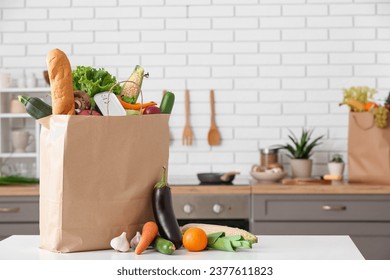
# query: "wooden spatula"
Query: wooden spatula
214,136
187,132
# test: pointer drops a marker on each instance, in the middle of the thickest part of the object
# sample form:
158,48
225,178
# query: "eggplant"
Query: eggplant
164,215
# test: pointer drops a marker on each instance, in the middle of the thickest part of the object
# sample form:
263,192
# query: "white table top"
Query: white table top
286,247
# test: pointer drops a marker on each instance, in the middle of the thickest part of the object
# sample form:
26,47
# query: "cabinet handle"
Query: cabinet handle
334,208
9,209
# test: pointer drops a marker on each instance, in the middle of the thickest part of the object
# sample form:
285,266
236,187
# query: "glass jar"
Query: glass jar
268,156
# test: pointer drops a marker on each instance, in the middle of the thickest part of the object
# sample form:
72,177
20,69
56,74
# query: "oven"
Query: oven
213,208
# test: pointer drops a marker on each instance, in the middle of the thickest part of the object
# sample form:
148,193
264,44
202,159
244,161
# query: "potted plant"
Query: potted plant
300,152
336,165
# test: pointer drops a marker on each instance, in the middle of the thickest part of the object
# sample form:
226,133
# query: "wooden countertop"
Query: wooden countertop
342,188
211,189
339,188
27,190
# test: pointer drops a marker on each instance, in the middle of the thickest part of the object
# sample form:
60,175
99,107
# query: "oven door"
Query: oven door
220,209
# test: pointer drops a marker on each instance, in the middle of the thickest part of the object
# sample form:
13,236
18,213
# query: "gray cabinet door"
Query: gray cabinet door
19,216
365,218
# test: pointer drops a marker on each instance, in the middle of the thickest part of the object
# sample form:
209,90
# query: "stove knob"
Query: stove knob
217,208
188,208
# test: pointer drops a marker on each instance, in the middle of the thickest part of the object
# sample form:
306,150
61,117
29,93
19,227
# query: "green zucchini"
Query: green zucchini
167,103
164,246
35,107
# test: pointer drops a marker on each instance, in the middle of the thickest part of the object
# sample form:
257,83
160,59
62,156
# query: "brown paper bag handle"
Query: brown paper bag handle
363,127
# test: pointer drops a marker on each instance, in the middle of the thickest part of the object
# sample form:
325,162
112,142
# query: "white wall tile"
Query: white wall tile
235,23
304,59
328,22
352,9
264,10
71,37
329,71
49,25
12,25
352,33
306,10
188,23
210,11
70,13
305,108
24,14
282,22
48,3
95,24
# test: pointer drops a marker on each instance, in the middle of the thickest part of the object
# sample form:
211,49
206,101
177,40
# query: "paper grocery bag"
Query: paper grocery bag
97,176
368,150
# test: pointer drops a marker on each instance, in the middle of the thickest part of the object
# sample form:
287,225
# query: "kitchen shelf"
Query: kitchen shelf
18,121
14,115
18,155
25,90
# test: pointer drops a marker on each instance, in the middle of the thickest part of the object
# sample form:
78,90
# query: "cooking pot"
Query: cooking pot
217,178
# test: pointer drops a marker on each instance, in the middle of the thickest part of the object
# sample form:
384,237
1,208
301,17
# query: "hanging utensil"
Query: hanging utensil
214,137
187,132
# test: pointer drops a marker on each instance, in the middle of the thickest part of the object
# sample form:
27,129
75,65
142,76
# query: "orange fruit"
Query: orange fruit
195,239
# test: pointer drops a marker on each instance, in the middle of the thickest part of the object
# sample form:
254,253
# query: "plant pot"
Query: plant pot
336,168
301,168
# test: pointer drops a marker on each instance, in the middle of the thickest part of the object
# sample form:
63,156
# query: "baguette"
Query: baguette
60,75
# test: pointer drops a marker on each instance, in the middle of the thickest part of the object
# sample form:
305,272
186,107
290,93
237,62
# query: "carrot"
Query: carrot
149,233
356,106
135,106
370,105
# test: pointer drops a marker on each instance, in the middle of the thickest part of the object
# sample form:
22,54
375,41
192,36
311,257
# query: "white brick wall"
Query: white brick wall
274,64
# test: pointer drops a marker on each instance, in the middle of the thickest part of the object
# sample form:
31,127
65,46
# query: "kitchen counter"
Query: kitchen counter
25,247
30,190
242,188
334,188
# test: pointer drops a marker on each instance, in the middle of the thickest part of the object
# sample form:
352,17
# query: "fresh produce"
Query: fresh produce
164,246
133,113
360,94
149,233
152,110
135,240
163,212
369,106
60,75
93,81
356,106
195,239
120,243
381,116
220,241
35,107
167,102
387,102
82,100
132,87
136,106
17,180
229,231
89,113
358,100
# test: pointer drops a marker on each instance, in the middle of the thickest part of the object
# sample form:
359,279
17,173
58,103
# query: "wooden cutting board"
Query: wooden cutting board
305,181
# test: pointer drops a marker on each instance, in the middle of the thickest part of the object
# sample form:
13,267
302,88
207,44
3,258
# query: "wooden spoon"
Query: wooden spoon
187,132
214,136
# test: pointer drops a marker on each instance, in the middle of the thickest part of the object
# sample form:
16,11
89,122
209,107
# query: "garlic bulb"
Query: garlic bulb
135,240
120,243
